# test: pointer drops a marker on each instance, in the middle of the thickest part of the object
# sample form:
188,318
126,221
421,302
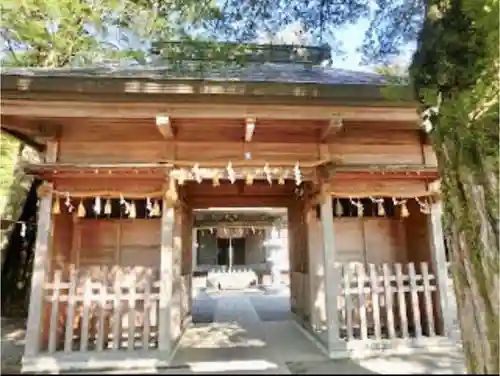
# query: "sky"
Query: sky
350,38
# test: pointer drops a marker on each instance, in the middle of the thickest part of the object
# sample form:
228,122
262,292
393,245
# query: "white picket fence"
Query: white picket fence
98,309
387,301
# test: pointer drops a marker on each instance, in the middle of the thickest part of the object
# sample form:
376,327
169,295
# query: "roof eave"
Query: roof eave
151,89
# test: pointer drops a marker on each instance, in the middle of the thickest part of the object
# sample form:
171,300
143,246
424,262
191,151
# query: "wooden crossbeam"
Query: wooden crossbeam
142,110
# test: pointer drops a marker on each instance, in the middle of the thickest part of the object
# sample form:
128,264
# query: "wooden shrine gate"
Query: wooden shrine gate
129,155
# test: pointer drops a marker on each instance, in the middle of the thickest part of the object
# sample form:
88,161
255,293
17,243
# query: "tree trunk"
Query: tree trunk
17,267
471,220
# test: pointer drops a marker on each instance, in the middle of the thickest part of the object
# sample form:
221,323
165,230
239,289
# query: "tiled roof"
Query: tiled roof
256,72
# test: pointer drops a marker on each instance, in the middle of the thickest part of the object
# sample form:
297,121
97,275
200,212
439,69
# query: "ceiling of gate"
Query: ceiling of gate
240,217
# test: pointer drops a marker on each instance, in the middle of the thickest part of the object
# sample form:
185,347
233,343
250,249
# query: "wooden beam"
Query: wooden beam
418,171
73,109
334,126
236,224
204,202
164,125
380,187
249,128
93,166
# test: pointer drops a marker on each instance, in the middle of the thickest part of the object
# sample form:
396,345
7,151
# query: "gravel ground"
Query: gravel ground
12,344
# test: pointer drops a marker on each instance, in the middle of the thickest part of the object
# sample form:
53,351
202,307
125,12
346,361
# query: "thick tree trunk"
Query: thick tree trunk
471,220
17,266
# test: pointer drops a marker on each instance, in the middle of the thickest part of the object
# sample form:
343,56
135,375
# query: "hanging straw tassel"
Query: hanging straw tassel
149,207
281,180
107,207
339,210
171,193
133,211
56,208
380,207
216,180
156,209
361,209
249,179
81,210
97,205
404,210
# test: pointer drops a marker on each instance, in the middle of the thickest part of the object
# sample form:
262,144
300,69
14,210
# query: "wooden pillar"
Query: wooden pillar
438,255
41,263
166,265
194,257
316,271
331,273
230,251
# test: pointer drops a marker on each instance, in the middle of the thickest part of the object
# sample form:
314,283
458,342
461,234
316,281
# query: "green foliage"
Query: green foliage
457,61
57,33
457,46
8,148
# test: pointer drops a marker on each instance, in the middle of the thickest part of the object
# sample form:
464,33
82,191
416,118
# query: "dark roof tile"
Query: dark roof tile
261,72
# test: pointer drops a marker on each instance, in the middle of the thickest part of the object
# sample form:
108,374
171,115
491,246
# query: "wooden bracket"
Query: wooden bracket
164,124
249,128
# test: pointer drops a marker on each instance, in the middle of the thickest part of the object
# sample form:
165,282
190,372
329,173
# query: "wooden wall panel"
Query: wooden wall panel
97,130
62,240
384,240
370,240
97,242
112,152
126,242
349,239
284,152
362,145
215,151
417,235
140,242
357,146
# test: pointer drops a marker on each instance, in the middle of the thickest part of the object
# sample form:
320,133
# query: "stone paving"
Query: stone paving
252,332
